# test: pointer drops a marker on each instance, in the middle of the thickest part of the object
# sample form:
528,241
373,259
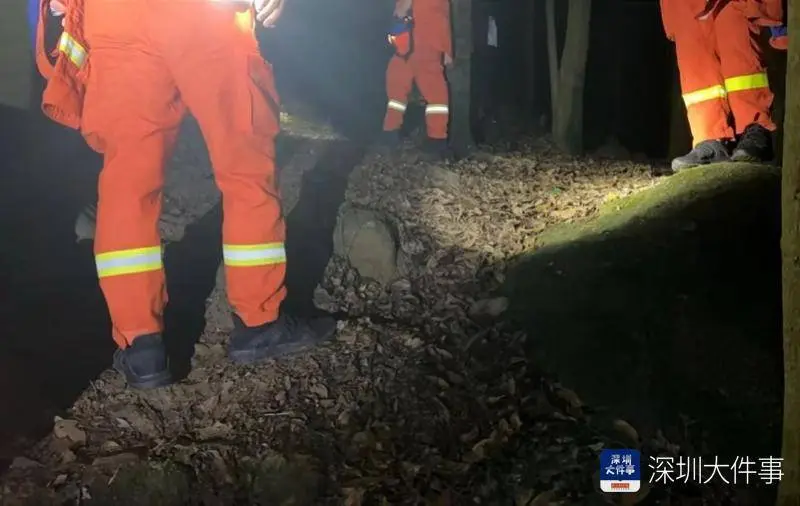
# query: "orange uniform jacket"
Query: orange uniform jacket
62,100
720,63
432,39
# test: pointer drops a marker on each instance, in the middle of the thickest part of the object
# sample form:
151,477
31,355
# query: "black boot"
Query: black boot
284,336
706,152
388,139
144,363
755,145
436,149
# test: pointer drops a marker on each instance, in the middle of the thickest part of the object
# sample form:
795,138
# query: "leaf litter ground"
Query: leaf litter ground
426,395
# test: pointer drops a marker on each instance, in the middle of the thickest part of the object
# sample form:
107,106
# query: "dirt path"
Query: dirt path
429,394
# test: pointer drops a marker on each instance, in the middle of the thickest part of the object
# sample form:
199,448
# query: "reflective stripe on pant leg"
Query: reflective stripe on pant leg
399,80
429,74
248,260
742,65
702,108
133,110
395,112
253,255
237,106
700,75
128,261
711,93
436,118
134,286
751,100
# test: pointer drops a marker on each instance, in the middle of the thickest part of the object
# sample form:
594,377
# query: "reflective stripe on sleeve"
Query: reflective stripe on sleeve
72,49
436,109
128,261
250,255
747,82
396,105
711,93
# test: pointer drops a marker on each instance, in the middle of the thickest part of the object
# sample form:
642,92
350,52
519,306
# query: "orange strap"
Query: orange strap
46,68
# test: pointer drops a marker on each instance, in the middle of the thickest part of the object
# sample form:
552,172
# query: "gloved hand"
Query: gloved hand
57,8
402,8
268,11
779,37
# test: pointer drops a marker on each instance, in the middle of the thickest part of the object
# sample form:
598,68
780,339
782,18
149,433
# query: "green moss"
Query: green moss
671,193
298,126
659,305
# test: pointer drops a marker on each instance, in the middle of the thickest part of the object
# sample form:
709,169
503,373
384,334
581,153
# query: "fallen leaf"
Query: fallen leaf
69,430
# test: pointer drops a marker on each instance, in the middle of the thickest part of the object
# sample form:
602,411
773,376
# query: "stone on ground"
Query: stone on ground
367,241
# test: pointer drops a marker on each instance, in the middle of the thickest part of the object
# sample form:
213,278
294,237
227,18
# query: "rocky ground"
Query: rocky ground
426,395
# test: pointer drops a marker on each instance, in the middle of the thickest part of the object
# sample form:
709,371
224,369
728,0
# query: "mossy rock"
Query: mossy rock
368,241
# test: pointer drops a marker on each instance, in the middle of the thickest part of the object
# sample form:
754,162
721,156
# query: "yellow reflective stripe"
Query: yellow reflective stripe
70,47
397,105
710,93
250,255
436,109
128,261
748,82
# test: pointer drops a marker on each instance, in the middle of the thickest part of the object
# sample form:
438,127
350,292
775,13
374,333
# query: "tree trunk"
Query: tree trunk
567,121
459,78
530,63
789,490
16,56
552,54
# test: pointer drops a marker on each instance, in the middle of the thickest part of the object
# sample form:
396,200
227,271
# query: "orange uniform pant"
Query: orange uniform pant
723,79
425,67
150,61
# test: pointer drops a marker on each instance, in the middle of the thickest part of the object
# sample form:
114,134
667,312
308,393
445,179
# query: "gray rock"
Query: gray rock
368,241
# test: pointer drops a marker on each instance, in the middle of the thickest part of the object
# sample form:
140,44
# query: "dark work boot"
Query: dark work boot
755,145
388,139
144,363
706,152
284,336
436,149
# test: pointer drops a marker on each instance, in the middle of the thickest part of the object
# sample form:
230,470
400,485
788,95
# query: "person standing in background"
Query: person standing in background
723,77
422,58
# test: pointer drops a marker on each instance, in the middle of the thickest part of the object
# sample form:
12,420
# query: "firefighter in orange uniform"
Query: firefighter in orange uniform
723,79
422,57
126,74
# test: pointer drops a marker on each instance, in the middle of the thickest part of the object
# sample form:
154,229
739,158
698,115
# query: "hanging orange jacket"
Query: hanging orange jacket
62,100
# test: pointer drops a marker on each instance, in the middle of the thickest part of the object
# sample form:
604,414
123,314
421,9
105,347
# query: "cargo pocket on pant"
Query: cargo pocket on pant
94,122
264,114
